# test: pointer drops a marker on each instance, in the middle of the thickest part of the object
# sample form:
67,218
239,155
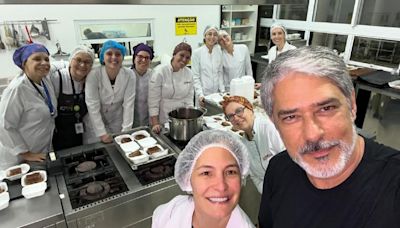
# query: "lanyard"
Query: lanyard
73,88
47,98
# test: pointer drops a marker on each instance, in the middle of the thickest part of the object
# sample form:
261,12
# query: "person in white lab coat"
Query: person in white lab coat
110,94
235,59
171,86
261,137
211,168
278,36
27,109
142,56
69,85
207,66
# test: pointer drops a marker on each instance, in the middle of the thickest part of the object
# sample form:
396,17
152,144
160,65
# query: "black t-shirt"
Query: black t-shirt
369,198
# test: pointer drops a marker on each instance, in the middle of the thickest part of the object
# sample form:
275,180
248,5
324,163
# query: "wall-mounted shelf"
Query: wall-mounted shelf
238,21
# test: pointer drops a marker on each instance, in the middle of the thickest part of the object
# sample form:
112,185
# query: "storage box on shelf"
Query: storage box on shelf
240,21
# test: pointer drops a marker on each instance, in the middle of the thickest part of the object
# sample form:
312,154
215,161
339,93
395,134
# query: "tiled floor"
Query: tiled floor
383,120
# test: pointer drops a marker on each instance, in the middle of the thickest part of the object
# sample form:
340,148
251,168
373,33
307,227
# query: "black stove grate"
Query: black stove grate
156,170
180,144
77,182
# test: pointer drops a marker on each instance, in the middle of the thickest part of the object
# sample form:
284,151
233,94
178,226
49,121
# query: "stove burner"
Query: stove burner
158,172
94,190
85,166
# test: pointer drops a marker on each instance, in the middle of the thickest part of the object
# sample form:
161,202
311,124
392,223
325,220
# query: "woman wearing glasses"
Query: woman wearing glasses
110,94
28,107
69,86
142,56
261,137
170,87
207,66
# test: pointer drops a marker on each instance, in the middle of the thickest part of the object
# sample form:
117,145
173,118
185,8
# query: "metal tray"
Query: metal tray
160,141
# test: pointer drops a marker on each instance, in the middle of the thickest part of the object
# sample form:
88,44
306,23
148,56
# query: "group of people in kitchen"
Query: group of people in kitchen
304,156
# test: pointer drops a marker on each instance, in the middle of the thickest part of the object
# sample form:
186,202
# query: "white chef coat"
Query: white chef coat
67,89
265,144
236,65
110,107
207,71
25,120
169,90
141,116
273,53
179,212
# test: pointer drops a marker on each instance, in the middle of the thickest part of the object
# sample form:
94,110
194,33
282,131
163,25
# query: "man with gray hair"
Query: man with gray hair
329,176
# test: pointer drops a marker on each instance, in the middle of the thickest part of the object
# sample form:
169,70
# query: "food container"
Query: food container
161,151
146,142
143,157
4,196
34,190
127,146
42,173
120,138
139,134
244,87
24,168
186,122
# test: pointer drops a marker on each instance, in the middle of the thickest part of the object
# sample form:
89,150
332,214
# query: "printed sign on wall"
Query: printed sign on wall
185,26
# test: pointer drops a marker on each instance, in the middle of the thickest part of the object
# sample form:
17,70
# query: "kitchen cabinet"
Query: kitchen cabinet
240,21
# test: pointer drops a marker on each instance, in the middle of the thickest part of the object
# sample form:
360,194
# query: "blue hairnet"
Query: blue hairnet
202,141
111,44
22,54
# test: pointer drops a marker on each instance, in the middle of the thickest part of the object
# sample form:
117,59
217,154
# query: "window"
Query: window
293,12
380,13
336,11
335,42
378,52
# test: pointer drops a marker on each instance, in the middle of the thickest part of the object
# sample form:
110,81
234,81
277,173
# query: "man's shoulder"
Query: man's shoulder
379,152
281,161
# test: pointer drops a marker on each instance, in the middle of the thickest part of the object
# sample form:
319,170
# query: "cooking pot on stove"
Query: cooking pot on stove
185,122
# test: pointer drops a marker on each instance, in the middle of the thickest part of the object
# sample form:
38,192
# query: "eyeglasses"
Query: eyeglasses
84,62
238,112
141,57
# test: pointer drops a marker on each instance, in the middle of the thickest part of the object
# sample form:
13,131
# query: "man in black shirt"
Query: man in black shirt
329,176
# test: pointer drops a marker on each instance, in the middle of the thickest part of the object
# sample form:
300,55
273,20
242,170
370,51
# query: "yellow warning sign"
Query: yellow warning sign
185,26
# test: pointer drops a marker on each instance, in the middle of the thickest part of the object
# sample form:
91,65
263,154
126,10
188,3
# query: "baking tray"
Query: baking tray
159,140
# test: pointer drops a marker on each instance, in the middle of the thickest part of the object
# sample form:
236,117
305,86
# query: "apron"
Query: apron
69,126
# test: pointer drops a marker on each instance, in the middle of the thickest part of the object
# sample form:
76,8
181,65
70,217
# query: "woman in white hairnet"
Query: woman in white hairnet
278,36
69,86
211,168
170,86
235,59
110,94
27,109
207,66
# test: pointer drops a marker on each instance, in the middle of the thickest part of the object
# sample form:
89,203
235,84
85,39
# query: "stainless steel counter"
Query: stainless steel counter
43,211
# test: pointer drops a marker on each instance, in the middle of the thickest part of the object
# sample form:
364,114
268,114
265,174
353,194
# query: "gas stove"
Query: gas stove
156,171
91,176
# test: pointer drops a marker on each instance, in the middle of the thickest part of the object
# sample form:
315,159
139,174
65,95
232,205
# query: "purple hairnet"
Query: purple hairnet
143,47
111,44
23,53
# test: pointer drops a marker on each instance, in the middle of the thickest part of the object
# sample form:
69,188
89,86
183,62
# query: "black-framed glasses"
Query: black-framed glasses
238,112
141,57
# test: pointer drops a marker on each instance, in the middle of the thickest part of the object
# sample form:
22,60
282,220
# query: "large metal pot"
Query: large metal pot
185,122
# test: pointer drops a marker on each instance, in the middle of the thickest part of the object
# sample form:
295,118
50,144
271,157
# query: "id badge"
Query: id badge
79,128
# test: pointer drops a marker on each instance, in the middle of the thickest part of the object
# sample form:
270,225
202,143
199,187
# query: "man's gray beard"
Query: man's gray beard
323,170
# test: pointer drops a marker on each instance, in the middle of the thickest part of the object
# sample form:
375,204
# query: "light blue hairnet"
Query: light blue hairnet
111,44
200,142
209,27
82,49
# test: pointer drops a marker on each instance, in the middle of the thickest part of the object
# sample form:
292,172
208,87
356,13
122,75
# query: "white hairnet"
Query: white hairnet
210,27
276,25
83,49
198,144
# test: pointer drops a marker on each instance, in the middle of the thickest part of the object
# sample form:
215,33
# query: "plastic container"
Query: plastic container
24,169
244,87
161,152
143,157
42,173
141,133
147,142
4,196
34,190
